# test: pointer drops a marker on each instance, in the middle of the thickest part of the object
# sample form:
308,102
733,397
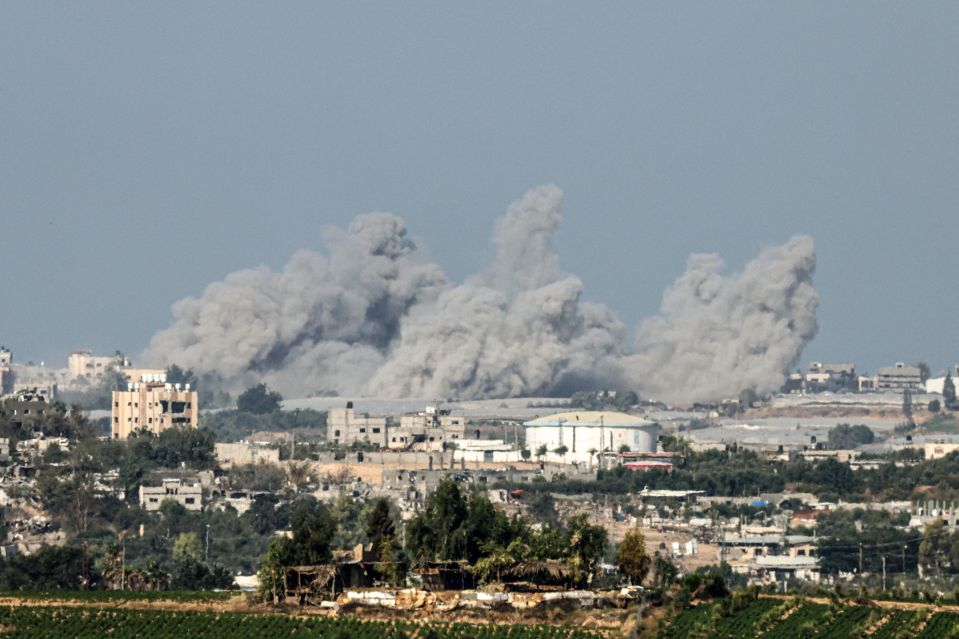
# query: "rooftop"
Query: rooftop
591,418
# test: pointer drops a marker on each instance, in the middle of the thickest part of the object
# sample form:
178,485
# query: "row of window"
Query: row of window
150,405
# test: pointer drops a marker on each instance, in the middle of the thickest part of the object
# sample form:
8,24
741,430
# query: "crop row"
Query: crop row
810,621
47,622
180,596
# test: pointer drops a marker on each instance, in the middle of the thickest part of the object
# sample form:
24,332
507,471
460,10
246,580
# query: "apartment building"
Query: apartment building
155,405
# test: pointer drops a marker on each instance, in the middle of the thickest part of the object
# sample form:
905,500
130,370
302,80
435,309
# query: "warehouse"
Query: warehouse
584,433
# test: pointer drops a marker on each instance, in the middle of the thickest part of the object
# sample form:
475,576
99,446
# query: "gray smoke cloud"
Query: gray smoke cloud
375,318
715,336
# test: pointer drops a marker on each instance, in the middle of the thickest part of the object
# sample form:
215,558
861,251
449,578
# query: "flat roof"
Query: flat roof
596,418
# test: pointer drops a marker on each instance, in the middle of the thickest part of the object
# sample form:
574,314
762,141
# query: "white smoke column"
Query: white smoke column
316,327
715,336
375,319
518,328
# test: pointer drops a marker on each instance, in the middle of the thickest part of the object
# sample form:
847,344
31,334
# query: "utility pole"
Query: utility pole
884,573
86,568
123,566
904,561
206,555
860,569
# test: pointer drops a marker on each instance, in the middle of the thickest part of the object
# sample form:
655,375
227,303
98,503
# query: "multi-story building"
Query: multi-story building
84,365
830,377
344,426
6,371
26,408
154,405
429,429
898,377
188,495
426,430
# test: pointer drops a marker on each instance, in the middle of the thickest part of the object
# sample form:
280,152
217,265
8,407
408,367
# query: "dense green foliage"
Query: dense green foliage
232,425
736,472
48,622
259,400
604,400
453,526
844,436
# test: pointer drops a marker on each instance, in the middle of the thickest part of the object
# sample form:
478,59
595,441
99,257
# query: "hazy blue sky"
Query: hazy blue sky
147,149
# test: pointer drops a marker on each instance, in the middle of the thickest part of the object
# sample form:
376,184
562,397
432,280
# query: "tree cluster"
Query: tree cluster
604,400
454,526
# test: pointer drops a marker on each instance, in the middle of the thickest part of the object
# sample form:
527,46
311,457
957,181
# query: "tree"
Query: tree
262,514
934,546
176,375
949,391
380,527
587,545
631,557
907,405
934,406
664,571
50,568
844,436
561,451
525,454
923,371
259,400
187,546
436,531
313,530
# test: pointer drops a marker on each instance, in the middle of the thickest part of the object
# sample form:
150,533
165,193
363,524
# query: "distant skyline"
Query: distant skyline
150,149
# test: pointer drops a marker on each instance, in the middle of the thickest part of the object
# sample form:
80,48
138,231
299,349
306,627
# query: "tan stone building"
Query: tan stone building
83,364
427,430
344,426
153,405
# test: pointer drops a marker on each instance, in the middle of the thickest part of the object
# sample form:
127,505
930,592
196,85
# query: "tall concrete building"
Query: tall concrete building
83,364
154,405
6,371
344,426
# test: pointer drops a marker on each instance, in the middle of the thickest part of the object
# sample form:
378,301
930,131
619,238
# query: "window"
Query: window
116,420
362,430
376,430
190,500
336,433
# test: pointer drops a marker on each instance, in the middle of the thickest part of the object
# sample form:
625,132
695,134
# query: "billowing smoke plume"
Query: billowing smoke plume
376,319
715,336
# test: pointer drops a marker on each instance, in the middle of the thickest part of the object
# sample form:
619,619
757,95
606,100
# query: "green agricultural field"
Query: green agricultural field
106,596
51,622
779,619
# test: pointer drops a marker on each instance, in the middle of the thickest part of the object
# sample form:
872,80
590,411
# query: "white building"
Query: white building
584,433
188,495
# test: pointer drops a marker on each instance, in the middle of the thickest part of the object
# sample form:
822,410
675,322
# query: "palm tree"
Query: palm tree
297,473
